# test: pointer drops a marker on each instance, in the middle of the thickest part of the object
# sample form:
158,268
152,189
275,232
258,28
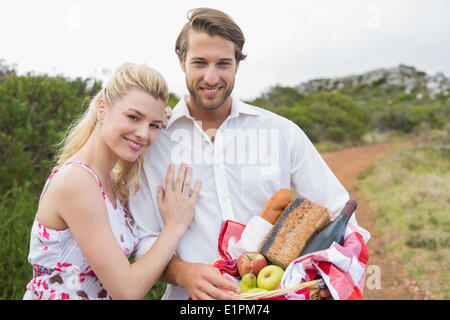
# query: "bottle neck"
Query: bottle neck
348,210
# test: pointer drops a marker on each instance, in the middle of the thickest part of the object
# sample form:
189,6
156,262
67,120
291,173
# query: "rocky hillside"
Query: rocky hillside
405,78
346,108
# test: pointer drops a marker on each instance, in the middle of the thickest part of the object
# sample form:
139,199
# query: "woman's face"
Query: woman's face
132,123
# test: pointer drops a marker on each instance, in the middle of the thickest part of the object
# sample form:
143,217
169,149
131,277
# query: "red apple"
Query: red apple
251,262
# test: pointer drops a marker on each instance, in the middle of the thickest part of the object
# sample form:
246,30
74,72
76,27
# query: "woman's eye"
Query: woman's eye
132,117
154,126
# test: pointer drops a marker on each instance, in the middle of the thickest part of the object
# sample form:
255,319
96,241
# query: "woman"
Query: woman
83,235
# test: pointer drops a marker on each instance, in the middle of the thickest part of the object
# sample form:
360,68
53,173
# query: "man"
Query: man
242,155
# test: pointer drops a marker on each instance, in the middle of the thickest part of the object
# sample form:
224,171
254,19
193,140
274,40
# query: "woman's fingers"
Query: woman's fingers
167,116
187,181
180,178
196,190
160,196
169,178
182,182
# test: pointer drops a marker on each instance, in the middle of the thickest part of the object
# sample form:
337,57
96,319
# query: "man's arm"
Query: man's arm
311,177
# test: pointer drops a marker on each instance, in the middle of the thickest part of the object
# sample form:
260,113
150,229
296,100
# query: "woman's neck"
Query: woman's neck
97,155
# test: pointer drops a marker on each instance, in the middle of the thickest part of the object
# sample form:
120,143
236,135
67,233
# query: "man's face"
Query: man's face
210,67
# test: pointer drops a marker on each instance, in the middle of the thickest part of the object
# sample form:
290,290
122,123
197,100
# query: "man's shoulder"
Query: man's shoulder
267,115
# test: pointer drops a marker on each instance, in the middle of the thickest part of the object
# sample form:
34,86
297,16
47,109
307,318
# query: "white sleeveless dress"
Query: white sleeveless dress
60,270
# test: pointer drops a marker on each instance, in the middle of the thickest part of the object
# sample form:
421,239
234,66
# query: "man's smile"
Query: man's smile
210,92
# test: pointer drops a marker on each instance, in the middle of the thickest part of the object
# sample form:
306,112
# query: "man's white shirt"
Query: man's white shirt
255,153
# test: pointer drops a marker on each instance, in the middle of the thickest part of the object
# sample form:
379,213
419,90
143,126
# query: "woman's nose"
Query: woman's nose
142,131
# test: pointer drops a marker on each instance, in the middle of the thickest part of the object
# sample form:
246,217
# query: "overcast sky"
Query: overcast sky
288,41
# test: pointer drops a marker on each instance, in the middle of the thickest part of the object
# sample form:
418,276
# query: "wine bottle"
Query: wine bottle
333,232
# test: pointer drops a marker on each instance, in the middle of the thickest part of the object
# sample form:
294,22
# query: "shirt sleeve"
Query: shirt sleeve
311,177
145,214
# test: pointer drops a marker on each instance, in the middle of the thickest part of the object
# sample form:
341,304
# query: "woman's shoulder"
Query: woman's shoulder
73,183
69,190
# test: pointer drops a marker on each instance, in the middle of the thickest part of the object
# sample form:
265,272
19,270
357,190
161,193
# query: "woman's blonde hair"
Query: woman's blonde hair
126,77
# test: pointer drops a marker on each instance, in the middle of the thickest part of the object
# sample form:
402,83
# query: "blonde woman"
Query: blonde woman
83,235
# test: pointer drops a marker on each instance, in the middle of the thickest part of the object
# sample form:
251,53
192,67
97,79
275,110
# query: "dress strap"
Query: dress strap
70,164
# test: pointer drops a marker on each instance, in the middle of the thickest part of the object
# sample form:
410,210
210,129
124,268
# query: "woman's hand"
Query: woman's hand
167,116
177,204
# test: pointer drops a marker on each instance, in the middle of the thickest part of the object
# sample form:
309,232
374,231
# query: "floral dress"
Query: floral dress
60,270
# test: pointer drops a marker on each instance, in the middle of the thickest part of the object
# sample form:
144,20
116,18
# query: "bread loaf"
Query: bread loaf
276,205
298,222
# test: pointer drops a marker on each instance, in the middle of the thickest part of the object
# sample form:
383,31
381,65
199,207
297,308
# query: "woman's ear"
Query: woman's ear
100,111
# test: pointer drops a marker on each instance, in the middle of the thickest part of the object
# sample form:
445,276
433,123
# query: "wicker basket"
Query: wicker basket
314,287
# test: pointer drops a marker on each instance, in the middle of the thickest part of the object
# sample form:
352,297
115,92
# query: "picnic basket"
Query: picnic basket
231,229
314,287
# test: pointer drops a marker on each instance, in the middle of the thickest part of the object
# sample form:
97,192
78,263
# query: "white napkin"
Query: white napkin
254,233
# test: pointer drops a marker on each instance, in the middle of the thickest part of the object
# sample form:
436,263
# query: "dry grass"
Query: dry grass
411,191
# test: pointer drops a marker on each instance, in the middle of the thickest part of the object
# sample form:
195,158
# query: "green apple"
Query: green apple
247,282
256,290
269,277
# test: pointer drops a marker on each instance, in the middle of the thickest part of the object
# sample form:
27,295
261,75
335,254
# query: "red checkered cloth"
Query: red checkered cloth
342,267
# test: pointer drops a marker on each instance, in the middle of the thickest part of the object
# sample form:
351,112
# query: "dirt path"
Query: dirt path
347,165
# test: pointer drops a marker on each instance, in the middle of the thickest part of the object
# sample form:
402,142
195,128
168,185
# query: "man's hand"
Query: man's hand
325,294
204,282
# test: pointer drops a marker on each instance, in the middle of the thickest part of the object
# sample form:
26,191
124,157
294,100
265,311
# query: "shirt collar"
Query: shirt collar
237,108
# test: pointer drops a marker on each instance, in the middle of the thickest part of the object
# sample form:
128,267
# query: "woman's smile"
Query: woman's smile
135,146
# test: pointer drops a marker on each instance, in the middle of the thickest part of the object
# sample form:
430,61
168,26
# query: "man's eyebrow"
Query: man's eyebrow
203,59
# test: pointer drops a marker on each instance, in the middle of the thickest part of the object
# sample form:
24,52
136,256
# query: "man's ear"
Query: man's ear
182,63
101,111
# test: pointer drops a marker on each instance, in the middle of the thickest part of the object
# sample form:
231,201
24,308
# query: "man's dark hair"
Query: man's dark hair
214,23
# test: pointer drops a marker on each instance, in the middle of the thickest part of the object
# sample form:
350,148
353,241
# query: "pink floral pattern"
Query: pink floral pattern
60,270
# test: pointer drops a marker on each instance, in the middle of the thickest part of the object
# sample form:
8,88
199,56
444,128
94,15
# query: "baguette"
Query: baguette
276,205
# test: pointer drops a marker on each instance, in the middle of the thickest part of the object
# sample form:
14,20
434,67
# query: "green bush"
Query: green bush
36,109
323,116
17,209
346,115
